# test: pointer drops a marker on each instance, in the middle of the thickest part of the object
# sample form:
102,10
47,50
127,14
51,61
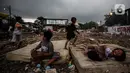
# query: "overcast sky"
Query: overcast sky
84,10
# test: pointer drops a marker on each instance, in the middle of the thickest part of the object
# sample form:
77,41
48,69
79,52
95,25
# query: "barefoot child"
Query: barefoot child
71,32
103,52
44,50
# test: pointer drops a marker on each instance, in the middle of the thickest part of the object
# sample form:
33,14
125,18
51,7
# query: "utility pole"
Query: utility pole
9,8
127,14
9,11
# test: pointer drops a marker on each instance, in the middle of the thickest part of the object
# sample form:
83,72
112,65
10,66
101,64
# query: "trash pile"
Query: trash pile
58,36
28,39
22,67
121,40
61,68
24,42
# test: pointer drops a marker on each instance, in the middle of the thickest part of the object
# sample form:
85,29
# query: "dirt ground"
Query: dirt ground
18,67
27,39
121,40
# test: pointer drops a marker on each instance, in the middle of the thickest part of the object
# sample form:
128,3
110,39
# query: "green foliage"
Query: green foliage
81,25
89,25
42,20
92,24
39,23
19,19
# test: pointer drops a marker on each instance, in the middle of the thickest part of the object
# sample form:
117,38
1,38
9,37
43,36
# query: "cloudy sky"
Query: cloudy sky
84,10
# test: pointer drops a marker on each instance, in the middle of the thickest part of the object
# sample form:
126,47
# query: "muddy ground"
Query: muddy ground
121,40
18,67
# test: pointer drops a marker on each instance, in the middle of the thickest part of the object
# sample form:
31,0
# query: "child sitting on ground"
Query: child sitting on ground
44,50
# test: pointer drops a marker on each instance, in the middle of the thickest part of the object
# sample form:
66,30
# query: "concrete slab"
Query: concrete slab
24,54
85,65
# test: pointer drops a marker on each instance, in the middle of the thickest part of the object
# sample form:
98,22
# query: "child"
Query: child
44,50
102,53
17,34
71,32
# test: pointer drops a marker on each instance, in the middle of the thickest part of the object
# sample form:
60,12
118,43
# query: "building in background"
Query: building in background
123,26
55,24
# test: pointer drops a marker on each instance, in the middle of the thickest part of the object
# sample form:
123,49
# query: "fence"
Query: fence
119,29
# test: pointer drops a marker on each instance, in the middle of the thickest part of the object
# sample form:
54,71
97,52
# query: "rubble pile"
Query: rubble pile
19,67
105,38
12,67
24,42
29,39
32,40
59,36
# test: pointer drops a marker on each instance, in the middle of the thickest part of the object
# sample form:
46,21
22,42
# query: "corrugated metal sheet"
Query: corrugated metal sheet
3,15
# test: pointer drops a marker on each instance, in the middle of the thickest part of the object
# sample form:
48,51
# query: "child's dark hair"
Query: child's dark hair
73,18
93,55
122,57
48,34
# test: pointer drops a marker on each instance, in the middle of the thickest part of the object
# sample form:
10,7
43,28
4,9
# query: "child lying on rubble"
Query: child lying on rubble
44,50
101,53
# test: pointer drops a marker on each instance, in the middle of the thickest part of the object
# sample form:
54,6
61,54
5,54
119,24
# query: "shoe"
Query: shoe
37,70
48,67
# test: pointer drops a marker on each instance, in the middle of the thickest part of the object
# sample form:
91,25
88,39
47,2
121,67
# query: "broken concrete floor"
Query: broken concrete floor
85,65
24,54
18,56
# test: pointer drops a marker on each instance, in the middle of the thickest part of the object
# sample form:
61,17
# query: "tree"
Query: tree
92,24
89,25
81,25
39,23
85,26
13,22
42,20
19,19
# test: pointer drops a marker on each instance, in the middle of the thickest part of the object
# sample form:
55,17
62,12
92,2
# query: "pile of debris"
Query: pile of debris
19,67
28,39
22,67
10,47
105,38
58,36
